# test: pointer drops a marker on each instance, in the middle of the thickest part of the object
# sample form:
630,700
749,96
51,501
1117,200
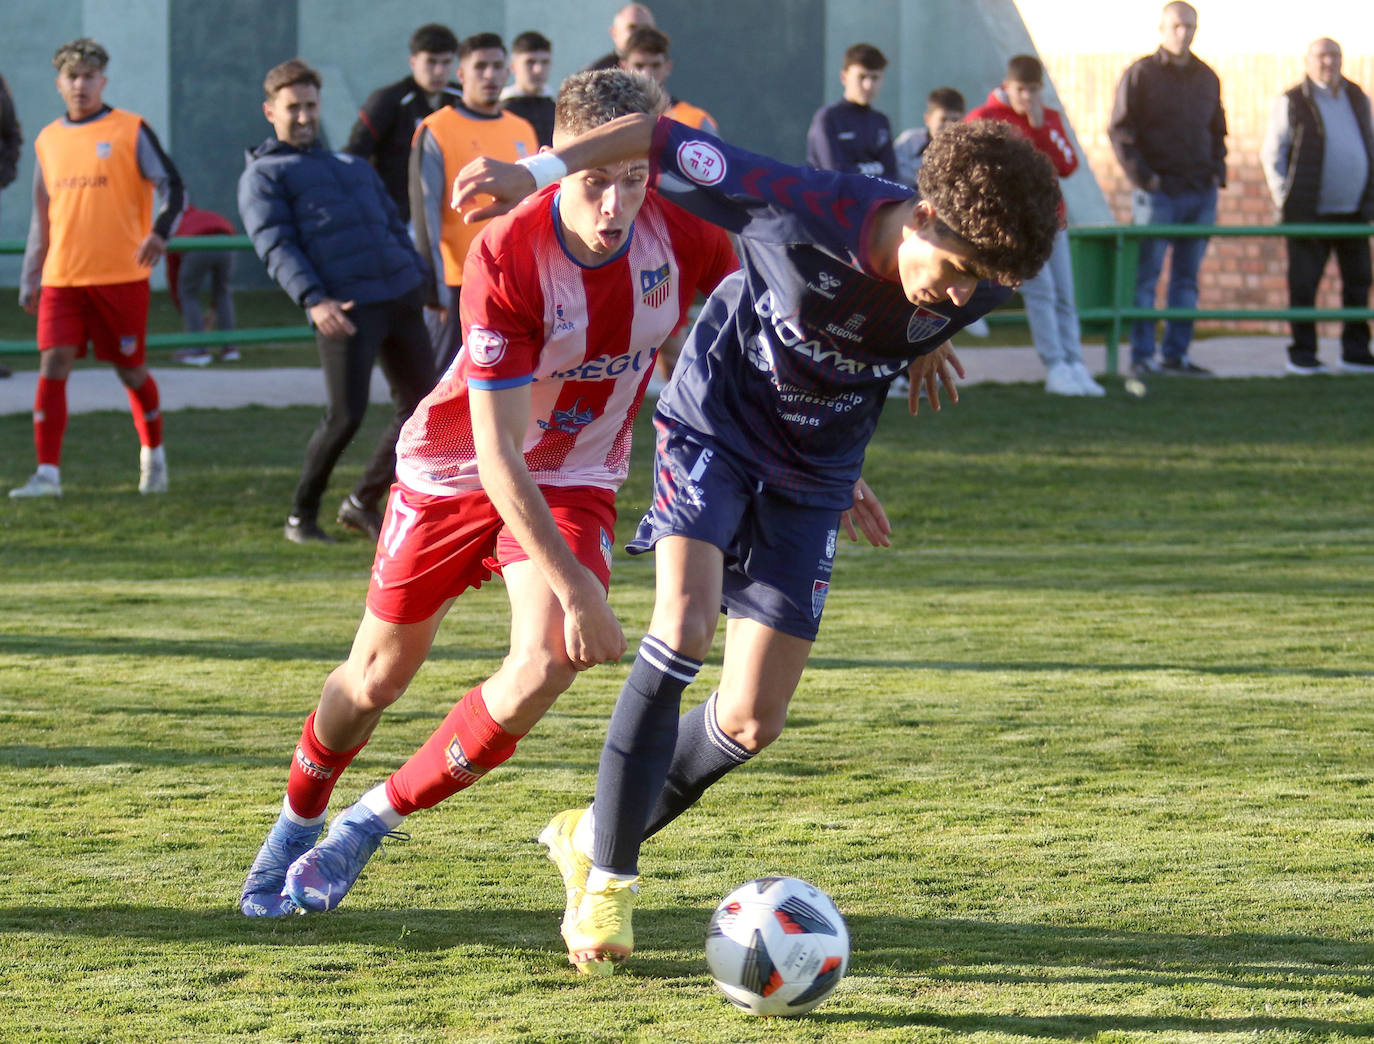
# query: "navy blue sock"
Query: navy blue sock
703,755
639,747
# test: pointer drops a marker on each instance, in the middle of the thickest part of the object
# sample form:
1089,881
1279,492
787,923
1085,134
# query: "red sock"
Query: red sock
462,750
49,420
143,404
315,769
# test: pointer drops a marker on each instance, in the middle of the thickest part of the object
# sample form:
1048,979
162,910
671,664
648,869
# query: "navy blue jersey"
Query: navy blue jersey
788,365
852,138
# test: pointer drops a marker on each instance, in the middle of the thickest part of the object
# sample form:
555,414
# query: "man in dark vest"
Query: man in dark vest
1318,158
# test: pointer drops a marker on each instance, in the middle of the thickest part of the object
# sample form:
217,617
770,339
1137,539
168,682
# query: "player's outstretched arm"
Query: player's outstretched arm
929,372
591,632
509,183
869,515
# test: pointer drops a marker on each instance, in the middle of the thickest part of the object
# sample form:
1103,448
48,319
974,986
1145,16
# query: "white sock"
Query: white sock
375,801
50,471
299,820
152,455
584,833
598,879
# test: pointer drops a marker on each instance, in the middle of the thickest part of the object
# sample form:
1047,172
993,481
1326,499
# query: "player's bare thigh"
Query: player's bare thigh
380,666
687,585
537,669
760,671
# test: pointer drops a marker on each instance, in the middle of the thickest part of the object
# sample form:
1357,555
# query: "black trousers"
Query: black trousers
393,334
1306,261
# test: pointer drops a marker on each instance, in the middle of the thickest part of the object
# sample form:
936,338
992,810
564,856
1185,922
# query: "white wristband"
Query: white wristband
545,167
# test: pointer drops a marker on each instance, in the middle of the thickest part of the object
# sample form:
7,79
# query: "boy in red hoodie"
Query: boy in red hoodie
1050,308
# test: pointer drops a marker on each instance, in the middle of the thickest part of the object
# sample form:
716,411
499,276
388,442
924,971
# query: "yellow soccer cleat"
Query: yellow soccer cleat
598,933
557,837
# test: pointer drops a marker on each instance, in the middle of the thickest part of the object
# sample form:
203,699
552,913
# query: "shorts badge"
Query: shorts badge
819,589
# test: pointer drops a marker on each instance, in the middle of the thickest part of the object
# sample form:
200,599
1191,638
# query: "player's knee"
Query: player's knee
754,733
688,630
543,673
369,688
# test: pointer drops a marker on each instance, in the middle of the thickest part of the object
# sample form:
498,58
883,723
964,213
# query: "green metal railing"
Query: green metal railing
1103,270
1102,262
180,339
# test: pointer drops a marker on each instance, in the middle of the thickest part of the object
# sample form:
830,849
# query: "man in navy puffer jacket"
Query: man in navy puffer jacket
330,235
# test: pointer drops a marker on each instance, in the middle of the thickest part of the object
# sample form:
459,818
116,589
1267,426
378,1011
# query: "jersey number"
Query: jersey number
402,518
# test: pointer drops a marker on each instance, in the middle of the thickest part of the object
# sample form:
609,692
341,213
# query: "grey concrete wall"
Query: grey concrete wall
193,68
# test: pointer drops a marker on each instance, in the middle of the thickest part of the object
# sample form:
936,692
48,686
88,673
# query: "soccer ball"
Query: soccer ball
777,946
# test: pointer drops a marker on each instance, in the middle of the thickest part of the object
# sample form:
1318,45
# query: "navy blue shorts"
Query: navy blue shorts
778,553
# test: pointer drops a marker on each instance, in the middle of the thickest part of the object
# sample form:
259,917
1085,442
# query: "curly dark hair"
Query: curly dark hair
995,194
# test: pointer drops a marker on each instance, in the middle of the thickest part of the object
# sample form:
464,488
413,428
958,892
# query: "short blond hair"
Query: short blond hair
589,99
81,51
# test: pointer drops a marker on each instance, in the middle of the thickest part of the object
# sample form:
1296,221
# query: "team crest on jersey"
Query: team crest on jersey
655,285
702,162
819,589
521,148
923,324
103,149
486,347
569,421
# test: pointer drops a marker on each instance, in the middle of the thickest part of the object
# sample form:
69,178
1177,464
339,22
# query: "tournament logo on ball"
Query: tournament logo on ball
924,324
702,162
486,347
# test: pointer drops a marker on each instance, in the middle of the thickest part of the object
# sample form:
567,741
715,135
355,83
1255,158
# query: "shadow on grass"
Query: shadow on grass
952,952
54,646
846,663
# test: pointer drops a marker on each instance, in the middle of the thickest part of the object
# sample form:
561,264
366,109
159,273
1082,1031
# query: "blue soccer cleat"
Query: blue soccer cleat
262,892
320,878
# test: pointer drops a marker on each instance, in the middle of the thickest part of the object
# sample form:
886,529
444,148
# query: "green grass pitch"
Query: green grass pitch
1086,756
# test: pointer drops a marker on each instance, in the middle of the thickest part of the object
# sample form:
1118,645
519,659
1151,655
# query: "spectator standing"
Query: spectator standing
1318,158
445,142
188,272
1168,130
850,135
387,121
11,141
329,234
93,239
646,53
1050,308
944,105
626,21
531,59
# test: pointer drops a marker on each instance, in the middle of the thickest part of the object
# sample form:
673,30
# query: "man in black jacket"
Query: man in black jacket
1318,157
1168,130
331,237
387,120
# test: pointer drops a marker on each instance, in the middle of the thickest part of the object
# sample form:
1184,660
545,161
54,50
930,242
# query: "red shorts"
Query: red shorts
112,318
434,548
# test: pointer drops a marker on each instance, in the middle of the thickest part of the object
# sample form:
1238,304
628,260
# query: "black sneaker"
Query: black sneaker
305,531
1183,366
1304,364
1358,363
1144,368
365,520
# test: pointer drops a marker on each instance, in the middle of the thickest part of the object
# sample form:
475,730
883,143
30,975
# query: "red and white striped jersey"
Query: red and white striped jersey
585,338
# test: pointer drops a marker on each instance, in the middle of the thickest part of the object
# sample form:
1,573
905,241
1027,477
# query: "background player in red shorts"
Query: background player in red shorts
511,464
92,241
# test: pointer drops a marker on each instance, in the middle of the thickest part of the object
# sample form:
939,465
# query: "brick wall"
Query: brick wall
1236,272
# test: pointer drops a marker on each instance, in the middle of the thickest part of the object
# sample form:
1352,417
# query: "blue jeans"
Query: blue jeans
1157,208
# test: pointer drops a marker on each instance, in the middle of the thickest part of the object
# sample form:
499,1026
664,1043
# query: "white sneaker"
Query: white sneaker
1061,380
152,470
193,356
900,387
1086,382
39,485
